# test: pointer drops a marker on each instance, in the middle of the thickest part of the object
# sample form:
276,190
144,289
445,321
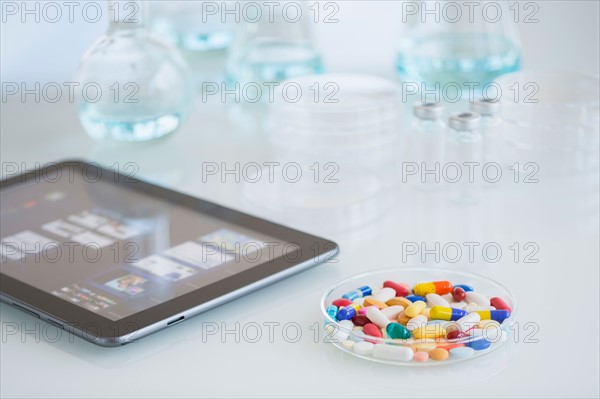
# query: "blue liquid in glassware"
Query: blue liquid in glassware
457,58
100,125
272,61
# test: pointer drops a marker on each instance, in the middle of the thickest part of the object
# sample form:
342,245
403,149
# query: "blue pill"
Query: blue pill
346,313
415,298
366,290
479,345
465,287
332,312
352,295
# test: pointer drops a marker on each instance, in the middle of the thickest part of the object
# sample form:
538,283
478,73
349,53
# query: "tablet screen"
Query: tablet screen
116,251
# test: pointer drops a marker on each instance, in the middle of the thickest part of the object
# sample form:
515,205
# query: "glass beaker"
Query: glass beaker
448,42
134,86
273,47
193,25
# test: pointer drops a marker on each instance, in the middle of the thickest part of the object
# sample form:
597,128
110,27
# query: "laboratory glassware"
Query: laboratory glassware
426,148
134,86
452,43
273,49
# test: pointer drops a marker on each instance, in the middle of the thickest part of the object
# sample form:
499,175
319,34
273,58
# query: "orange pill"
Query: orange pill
403,318
439,354
370,301
401,301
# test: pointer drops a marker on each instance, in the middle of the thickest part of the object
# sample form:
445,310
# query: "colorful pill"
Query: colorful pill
477,299
332,312
421,357
397,331
403,318
400,289
393,352
415,308
416,322
415,298
446,313
468,321
365,290
463,352
500,304
465,287
430,331
459,294
360,320
363,348
404,302
435,287
436,300
497,315
377,317
341,302
392,312
352,295
372,330
385,294
479,344
348,312
371,301
439,354
363,310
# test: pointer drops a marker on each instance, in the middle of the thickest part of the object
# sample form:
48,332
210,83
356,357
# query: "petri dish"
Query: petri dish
337,334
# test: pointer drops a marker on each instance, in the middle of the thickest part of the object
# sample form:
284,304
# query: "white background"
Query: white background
559,294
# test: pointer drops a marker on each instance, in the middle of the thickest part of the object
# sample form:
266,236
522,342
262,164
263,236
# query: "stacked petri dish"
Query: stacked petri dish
343,131
551,119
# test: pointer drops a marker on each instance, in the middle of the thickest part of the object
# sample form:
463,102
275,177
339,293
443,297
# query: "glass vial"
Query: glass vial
462,168
135,87
427,145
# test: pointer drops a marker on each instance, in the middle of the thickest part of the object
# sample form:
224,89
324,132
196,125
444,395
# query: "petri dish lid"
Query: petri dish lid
464,121
336,101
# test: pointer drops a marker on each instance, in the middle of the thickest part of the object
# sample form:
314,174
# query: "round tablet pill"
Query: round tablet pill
462,352
439,354
421,357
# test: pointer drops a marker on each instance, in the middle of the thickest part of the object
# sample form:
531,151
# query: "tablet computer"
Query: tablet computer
112,258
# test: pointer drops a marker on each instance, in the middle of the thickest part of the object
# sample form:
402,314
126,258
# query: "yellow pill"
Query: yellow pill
424,288
401,301
425,312
430,331
483,324
439,354
415,308
370,301
425,345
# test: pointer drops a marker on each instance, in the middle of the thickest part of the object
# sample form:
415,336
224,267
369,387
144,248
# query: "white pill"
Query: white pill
468,321
477,308
340,332
376,317
385,294
448,297
392,352
462,352
348,344
436,300
363,348
458,305
477,298
416,322
392,312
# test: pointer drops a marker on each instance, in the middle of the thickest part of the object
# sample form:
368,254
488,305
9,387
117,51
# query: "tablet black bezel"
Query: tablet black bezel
309,247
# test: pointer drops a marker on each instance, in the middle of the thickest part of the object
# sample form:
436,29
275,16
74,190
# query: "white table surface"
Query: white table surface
558,296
